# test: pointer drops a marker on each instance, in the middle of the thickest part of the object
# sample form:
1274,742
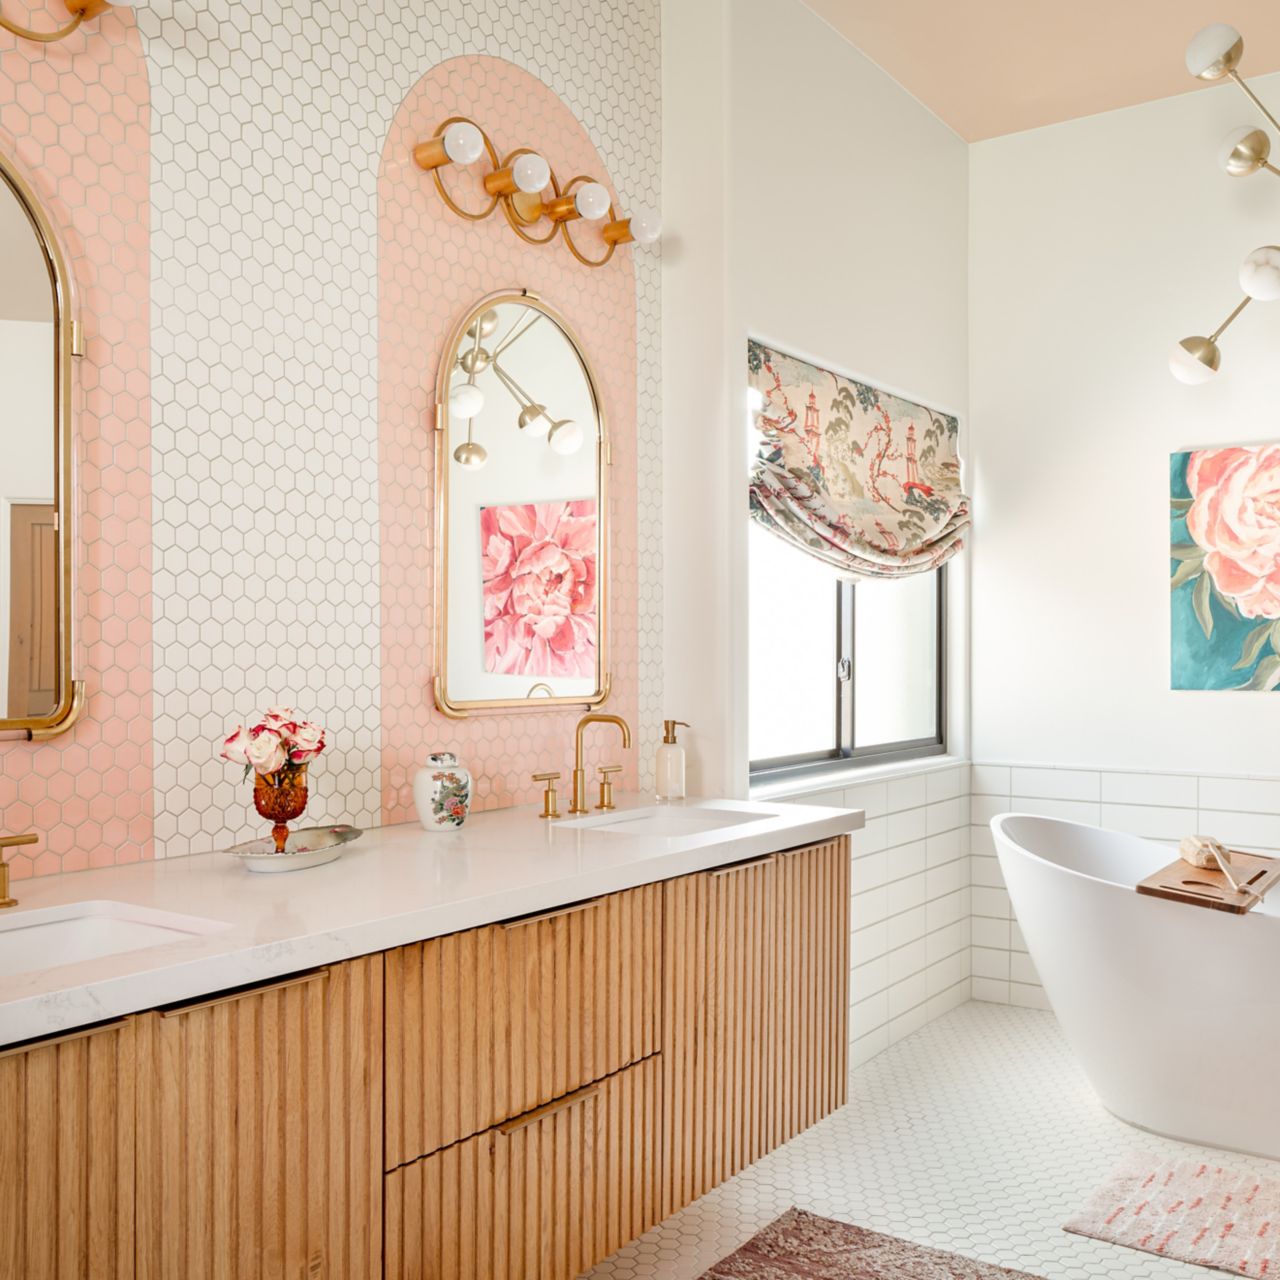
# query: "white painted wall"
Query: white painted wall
836,230
1096,244
26,442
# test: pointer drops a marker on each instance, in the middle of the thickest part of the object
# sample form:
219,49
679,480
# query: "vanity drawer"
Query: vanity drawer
542,1197
488,1024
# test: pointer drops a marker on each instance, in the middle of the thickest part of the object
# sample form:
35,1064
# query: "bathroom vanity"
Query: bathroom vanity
503,1052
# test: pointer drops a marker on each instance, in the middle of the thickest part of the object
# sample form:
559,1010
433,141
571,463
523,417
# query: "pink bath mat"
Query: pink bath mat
1196,1212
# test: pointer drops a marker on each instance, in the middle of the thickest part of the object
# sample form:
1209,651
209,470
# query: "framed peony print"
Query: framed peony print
538,560
1225,567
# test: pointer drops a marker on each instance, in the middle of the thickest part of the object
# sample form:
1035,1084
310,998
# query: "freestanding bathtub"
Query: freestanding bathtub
1173,1010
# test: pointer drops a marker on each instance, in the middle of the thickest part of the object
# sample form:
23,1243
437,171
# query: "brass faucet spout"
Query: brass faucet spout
11,842
579,804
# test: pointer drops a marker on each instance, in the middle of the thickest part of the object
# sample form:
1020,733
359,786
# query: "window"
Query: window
839,671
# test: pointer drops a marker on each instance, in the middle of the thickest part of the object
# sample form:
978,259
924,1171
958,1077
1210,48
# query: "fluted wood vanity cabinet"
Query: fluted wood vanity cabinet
258,1144
518,1100
67,1156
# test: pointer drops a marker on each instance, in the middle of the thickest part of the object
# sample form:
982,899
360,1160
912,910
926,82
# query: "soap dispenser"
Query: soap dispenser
669,770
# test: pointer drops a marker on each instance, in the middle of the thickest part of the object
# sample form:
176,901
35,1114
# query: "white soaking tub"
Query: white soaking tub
1173,1010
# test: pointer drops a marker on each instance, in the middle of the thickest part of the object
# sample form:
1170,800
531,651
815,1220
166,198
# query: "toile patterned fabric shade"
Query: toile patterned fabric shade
865,481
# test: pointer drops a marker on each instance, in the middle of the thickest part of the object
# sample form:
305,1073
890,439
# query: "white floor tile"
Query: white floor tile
978,1134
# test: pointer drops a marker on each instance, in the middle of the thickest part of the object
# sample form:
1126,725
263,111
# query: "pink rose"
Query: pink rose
305,742
1235,517
266,751
274,717
234,748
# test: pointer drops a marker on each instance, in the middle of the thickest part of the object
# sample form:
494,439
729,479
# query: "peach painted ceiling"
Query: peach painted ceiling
1001,66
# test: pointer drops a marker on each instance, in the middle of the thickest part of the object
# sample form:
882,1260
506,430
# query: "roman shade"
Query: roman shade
863,480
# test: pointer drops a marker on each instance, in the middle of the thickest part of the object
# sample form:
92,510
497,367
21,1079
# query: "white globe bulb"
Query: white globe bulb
465,401
463,142
1187,367
1260,273
646,225
565,437
531,173
1210,54
591,201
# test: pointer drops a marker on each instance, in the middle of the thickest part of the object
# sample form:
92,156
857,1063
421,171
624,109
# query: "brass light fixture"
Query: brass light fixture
523,184
81,11
1214,54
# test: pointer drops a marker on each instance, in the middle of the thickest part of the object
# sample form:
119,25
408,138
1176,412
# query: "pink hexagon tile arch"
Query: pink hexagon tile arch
433,267
77,117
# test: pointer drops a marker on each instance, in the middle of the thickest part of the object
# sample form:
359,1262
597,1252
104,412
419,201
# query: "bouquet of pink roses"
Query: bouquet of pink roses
280,738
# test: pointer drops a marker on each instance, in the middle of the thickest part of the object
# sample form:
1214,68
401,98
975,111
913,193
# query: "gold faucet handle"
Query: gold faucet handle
606,785
550,807
12,842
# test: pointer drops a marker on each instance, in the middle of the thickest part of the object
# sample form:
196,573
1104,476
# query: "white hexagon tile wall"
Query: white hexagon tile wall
268,121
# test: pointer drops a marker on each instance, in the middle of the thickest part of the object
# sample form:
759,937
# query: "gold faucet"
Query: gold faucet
579,804
11,842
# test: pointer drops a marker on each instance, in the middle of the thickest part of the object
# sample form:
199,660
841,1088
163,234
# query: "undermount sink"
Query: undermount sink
51,936
668,820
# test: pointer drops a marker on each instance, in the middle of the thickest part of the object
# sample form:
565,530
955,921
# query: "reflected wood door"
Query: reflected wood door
259,1152
67,1157
33,617
542,1197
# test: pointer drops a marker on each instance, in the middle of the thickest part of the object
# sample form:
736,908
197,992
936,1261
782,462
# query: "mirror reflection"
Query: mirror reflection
28,478
522,511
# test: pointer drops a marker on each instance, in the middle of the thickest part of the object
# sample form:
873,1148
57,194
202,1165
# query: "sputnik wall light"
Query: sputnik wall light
519,184
1214,54
80,10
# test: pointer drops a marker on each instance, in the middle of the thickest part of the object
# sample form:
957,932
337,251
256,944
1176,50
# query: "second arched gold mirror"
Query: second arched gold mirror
37,692
522,523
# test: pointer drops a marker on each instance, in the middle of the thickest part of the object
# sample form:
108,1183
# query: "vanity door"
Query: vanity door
258,1115
67,1157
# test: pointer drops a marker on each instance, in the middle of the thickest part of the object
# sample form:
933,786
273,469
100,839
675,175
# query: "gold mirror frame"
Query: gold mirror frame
70,690
461,709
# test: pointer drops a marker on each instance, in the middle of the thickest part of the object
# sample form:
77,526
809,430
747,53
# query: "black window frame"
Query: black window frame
845,755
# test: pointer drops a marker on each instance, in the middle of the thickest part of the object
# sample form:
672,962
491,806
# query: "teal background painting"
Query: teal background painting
1212,646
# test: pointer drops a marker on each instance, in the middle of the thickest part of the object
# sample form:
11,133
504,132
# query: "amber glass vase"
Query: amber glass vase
281,797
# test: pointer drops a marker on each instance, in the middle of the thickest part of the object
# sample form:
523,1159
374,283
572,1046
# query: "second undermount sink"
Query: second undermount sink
668,820
51,936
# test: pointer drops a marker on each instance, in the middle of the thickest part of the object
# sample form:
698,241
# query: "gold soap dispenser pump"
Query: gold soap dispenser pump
669,768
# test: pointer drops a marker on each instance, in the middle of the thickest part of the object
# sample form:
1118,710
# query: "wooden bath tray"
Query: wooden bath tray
1200,887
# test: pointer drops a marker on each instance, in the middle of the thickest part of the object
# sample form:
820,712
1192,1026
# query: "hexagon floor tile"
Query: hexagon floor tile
977,1134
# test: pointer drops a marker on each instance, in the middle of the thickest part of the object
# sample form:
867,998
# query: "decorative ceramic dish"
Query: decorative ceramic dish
310,847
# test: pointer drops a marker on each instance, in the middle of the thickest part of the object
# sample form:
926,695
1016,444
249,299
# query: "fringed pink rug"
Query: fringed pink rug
802,1246
1189,1210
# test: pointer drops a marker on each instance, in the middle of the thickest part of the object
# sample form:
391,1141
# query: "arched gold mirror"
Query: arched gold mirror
522,534
37,692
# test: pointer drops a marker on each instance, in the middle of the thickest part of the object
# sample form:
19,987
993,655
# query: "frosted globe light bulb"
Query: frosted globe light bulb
534,421
1244,151
591,201
1260,273
646,225
465,401
531,173
565,437
1194,360
1214,51
463,142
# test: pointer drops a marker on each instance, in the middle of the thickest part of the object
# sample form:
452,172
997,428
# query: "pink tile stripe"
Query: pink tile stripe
1192,1210
77,117
432,267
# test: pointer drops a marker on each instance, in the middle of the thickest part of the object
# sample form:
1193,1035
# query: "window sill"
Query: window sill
850,775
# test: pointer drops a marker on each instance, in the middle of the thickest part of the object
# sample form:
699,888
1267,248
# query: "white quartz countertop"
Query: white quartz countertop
393,886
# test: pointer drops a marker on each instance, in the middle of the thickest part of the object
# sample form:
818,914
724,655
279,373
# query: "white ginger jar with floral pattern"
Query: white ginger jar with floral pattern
442,792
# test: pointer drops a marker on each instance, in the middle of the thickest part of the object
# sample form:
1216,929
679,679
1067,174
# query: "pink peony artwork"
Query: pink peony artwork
539,565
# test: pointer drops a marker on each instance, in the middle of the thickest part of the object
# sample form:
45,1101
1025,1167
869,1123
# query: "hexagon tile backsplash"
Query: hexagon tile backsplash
251,477
76,117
